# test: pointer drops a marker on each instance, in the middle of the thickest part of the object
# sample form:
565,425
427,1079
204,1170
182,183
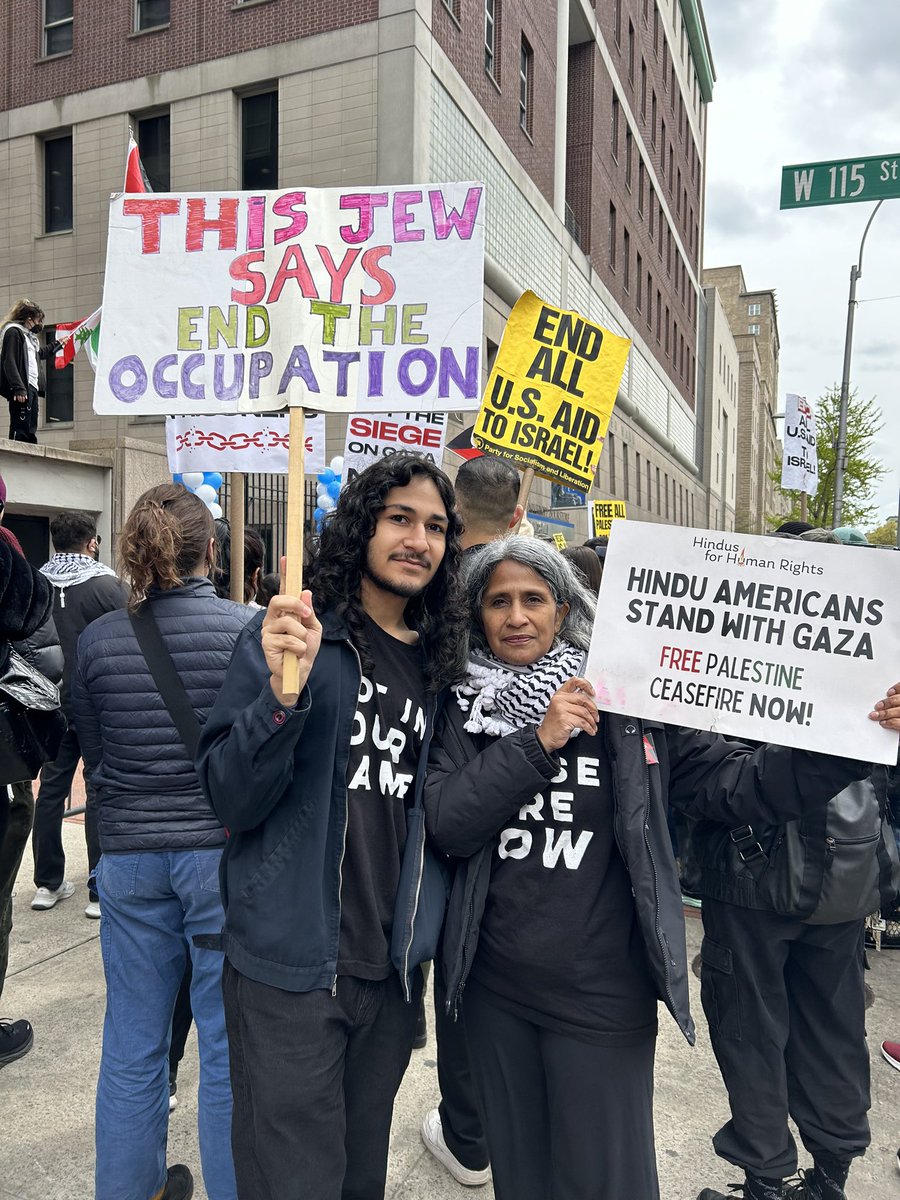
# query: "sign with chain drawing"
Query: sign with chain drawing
338,300
767,638
550,395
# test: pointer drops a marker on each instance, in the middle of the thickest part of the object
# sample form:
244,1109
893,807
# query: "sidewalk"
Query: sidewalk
46,1099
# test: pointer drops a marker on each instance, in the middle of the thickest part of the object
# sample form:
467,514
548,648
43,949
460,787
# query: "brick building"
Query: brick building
587,123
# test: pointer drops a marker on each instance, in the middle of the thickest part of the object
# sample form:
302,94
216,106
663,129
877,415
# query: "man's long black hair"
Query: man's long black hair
334,577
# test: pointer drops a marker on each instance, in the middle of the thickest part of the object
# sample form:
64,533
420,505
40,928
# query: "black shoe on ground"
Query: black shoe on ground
16,1039
421,1038
753,1188
179,1184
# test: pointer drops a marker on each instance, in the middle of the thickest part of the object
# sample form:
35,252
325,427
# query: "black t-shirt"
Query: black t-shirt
560,942
384,753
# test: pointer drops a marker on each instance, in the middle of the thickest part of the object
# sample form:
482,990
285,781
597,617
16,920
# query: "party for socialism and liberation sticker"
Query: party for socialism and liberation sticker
767,638
550,395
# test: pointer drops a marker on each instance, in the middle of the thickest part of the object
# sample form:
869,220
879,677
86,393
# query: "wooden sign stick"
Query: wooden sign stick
524,489
236,520
292,584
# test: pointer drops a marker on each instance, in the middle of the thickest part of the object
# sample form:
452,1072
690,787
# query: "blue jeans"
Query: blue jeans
153,903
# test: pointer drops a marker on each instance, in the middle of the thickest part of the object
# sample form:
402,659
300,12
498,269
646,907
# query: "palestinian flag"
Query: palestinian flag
462,444
135,176
81,333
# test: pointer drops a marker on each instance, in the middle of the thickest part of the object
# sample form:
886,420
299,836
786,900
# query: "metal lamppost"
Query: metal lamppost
841,453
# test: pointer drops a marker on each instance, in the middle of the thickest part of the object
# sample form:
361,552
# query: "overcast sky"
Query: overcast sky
807,81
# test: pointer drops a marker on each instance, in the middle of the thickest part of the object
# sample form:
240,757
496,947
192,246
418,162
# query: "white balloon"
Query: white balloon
322,489
192,479
216,510
337,464
326,503
206,492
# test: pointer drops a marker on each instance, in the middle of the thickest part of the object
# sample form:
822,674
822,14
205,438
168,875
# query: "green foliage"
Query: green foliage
884,535
864,422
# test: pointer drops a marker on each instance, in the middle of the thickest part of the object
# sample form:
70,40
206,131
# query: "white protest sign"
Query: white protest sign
767,638
245,444
800,464
339,300
371,436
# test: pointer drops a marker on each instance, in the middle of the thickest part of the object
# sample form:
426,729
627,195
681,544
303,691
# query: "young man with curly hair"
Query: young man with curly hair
332,897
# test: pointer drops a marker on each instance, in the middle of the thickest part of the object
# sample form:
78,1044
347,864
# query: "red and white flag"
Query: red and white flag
135,176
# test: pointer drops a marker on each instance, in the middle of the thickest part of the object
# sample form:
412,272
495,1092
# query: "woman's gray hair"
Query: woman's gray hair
546,561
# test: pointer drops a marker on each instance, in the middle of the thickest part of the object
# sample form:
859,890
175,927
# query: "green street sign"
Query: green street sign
845,181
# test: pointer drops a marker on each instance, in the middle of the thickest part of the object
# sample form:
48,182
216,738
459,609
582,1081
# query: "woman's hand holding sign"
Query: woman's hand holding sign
887,711
572,708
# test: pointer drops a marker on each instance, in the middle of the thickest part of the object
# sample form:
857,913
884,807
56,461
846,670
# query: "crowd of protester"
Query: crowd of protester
276,859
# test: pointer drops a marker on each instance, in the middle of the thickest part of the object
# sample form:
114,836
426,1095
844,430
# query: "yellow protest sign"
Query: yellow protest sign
550,395
560,541
604,512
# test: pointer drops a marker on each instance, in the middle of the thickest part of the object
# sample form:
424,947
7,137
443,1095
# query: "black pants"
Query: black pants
785,1004
314,1078
460,1120
23,418
565,1119
182,1020
13,840
47,842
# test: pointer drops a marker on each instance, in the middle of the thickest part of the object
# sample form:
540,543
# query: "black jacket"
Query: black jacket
14,363
43,651
74,608
25,599
277,779
148,792
475,783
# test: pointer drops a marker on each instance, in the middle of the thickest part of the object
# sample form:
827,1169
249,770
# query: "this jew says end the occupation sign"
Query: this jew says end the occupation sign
766,638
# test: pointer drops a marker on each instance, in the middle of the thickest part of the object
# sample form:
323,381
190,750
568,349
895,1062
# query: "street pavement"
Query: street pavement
46,1099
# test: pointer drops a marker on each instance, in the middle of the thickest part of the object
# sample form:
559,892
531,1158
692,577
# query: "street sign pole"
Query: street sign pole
840,466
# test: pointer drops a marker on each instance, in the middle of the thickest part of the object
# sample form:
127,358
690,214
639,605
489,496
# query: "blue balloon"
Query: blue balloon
319,514
176,478
327,476
213,478
334,489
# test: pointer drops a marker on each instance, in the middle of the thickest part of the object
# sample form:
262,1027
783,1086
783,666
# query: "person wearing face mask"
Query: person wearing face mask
139,701
21,356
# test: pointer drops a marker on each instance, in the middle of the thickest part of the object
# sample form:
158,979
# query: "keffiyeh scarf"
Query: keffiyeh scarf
501,698
65,570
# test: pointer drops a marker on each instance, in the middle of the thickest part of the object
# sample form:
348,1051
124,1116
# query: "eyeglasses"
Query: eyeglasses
98,539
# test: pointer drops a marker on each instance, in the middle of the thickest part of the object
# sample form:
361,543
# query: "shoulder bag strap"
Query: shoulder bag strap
166,678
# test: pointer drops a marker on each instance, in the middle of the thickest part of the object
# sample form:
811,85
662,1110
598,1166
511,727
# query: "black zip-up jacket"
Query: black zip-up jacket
277,780
476,783
75,606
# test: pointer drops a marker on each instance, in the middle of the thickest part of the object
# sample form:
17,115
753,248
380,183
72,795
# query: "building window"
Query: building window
658,315
618,29
625,480
658,496
641,181
153,144
668,344
649,489
649,300
60,402
150,14
58,205
643,90
259,141
754,310
610,450
753,329
653,119
626,258
452,7
491,20
526,83
629,144
631,53
614,127
656,29
667,494
612,236
652,212
58,26
665,63
639,282
637,478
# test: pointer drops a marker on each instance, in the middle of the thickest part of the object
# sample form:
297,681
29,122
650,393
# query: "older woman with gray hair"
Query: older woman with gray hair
565,924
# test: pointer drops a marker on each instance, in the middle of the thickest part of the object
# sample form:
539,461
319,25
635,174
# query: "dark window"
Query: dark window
658,314
259,141
526,83
665,64
618,30
638,282
643,89
626,258
612,236
58,26
151,13
614,127
641,178
153,144
668,341
490,37
649,300
652,211
58,207
653,119
637,477
60,403
656,29
625,481
609,449
631,52
629,144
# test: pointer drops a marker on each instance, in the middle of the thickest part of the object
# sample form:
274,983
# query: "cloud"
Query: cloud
734,211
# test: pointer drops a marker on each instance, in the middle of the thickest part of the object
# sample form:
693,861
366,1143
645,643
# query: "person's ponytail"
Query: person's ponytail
164,539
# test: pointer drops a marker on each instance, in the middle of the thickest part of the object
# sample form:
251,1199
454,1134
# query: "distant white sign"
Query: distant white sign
371,436
243,444
766,638
800,465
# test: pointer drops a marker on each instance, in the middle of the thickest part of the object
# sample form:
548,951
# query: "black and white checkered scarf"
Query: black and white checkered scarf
503,698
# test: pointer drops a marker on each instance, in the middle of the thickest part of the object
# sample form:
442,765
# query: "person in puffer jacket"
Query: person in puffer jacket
161,845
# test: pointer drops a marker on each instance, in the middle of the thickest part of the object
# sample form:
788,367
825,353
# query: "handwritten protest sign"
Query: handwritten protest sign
766,638
800,464
244,444
371,436
604,512
338,300
550,395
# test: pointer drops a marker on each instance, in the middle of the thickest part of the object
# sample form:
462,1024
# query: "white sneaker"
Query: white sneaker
433,1137
47,897
92,910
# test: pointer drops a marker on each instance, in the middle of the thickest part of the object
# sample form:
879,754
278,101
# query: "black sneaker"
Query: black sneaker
16,1039
179,1184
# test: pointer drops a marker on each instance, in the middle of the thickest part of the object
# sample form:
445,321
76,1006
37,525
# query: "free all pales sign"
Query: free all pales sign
766,638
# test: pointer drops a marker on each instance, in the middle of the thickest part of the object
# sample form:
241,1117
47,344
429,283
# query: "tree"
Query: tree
884,535
864,422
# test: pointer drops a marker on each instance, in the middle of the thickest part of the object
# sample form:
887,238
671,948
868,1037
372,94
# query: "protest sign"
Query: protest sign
800,464
371,436
338,300
767,638
550,395
559,540
604,512
240,444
